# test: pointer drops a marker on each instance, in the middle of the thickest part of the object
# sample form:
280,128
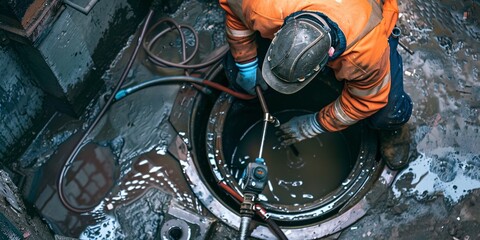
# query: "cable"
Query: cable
149,42
118,94
115,92
176,79
76,149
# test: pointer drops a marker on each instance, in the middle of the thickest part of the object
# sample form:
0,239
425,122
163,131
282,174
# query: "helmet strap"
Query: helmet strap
317,17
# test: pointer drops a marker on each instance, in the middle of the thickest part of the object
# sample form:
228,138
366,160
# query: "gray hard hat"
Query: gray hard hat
298,52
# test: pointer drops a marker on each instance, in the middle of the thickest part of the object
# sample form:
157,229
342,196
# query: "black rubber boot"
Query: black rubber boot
395,147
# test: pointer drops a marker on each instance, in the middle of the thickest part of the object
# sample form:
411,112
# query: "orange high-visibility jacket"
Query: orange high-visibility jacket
364,65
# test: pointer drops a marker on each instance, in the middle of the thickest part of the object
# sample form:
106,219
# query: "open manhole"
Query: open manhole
316,182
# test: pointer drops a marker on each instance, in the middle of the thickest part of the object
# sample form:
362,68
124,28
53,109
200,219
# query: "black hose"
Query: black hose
74,152
276,229
149,42
176,79
118,94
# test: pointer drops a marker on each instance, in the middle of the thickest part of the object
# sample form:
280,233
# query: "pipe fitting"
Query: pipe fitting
396,32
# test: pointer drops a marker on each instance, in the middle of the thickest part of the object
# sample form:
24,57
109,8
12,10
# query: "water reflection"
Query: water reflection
299,174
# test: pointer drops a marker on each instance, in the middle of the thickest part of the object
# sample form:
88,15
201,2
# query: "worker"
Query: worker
304,37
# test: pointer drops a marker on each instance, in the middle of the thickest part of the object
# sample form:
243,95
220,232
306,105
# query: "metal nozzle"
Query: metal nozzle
396,32
274,120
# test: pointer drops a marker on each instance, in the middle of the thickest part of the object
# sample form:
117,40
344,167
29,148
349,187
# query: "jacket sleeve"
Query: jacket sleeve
240,38
365,69
365,92
390,14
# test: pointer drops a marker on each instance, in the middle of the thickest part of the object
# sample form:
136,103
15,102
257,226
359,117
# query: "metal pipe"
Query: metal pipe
85,10
244,224
396,33
266,118
263,103
264,133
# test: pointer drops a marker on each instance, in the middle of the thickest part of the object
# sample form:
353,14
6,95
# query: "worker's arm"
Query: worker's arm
364,93
240,38
243,47
366,71
390,15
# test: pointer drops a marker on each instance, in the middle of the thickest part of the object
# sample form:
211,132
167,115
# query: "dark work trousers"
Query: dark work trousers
399,107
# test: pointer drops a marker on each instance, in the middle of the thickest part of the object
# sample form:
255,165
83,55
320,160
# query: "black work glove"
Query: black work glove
299,128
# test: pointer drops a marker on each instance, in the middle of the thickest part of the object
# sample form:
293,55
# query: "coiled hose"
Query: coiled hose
74,152
118,94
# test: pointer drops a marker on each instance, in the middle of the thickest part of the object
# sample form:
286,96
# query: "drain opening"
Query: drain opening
89,178
175,233
313,186
175,229
214,128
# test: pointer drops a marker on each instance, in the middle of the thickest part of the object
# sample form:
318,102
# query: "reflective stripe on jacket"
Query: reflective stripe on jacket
364,65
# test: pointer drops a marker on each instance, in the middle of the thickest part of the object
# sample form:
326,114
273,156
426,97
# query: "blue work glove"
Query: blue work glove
300,128
249,76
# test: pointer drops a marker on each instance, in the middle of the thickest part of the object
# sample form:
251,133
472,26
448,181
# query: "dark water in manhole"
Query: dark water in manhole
297,175
327,172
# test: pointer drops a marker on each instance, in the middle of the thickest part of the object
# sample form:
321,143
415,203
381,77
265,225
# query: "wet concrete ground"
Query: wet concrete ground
137,182
437,196
124,183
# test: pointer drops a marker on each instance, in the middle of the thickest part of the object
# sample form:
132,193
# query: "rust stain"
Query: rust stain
34,10
42,18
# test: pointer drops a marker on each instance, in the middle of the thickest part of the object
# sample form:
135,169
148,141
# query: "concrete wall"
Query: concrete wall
61,70
20,101
80,47
71,58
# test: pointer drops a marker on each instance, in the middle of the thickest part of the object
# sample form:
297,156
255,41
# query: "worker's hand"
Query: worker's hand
249,76
299,128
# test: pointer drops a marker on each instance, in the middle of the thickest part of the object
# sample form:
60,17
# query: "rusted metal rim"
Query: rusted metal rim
365,167
210,195
203,168
352,211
